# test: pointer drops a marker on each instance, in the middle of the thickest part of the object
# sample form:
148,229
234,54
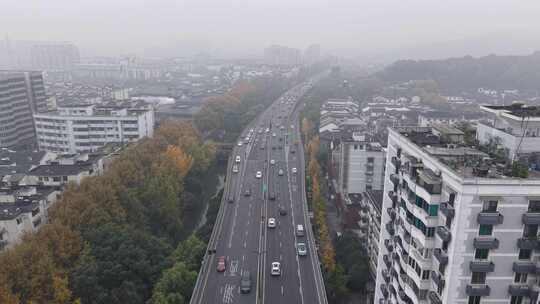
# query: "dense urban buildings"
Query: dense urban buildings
38,55
86,128
460,223
22,94
282,55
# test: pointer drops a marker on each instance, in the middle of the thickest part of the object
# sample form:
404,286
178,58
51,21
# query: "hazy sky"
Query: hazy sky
112,27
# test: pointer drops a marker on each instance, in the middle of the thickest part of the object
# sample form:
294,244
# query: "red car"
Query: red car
221,264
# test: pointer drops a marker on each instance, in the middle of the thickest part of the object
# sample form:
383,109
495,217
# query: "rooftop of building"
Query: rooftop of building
9,211
59,169
515,110
375,197
460,152
18,161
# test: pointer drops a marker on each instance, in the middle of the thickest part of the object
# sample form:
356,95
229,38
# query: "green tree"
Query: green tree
190,252
175,286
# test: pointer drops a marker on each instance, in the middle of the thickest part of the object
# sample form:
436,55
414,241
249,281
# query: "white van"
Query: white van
299,230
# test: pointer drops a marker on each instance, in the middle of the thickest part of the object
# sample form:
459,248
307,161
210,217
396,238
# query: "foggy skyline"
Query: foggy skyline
243,28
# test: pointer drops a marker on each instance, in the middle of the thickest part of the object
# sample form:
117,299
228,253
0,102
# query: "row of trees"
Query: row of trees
112,238
225,116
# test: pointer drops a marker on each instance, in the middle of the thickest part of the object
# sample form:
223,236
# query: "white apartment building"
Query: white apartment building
361,166
516,127
86,128
456,226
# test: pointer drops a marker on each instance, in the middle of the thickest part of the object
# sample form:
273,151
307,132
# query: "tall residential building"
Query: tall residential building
86,128
22,94
361,164
54,56
282,55
458,225
312,54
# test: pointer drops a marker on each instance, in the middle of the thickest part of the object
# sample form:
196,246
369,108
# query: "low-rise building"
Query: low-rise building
87,128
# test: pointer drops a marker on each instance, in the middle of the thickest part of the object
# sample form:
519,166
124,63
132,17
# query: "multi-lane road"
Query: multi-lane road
242,235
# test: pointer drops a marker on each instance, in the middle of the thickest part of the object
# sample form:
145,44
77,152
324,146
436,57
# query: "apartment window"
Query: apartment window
530,231
490,206
356,147
525,254
19,221
474,300
425,275
370,160
430,232
520,278
516,299
481,254
534,206
478,278
485,230
369,187
452,199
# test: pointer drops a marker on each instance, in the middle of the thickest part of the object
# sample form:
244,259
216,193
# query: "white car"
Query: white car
267,130
272,162
271,222
280,172
247,139
235,169
274,134
258,174
301,249
276,269
294,170
237,158
239,143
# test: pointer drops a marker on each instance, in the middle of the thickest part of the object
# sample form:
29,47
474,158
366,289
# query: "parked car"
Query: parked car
247,192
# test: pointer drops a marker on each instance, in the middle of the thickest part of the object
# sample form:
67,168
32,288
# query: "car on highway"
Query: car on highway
247,192
267,130
221,264
245,282
239,143
260,131
237,158
258,174
273,134
262,147
282,211
276,269
235,169
230,200
301,249
294,170
271,222
293,151
280,172
272,162
272,196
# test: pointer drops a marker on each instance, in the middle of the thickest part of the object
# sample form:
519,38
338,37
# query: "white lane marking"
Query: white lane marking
282,292
244,244
233,268
228,295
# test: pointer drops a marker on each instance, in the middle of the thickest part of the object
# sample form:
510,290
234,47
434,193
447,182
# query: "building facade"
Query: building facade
22,94
80,129
456,228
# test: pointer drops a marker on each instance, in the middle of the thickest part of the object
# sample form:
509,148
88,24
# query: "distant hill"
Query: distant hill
468,73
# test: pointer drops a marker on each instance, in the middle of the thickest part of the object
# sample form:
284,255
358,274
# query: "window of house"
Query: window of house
430,232
474,300
534,206
56,179
19,221
516,299
478,278
485,230
530,231
520,278
525,254
481,254
490,206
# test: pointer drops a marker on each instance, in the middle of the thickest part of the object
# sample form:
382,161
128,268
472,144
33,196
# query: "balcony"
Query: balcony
391,213
392,289
437,279
481,266
403,296
386,275
441,256
387,261
434,297
528,243
429,181
481,290
395,256
447,210
393,197
519,290
444,233
390,228
485,242
388,245
531,218
384,290
489,218
524,267
396,162
394,178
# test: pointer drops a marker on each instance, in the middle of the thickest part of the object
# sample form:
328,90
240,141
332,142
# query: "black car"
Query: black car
247,192
230,200
282,211
245,282
272,196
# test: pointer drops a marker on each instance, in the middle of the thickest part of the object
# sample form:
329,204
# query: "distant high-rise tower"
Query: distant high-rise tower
312,54
22,94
